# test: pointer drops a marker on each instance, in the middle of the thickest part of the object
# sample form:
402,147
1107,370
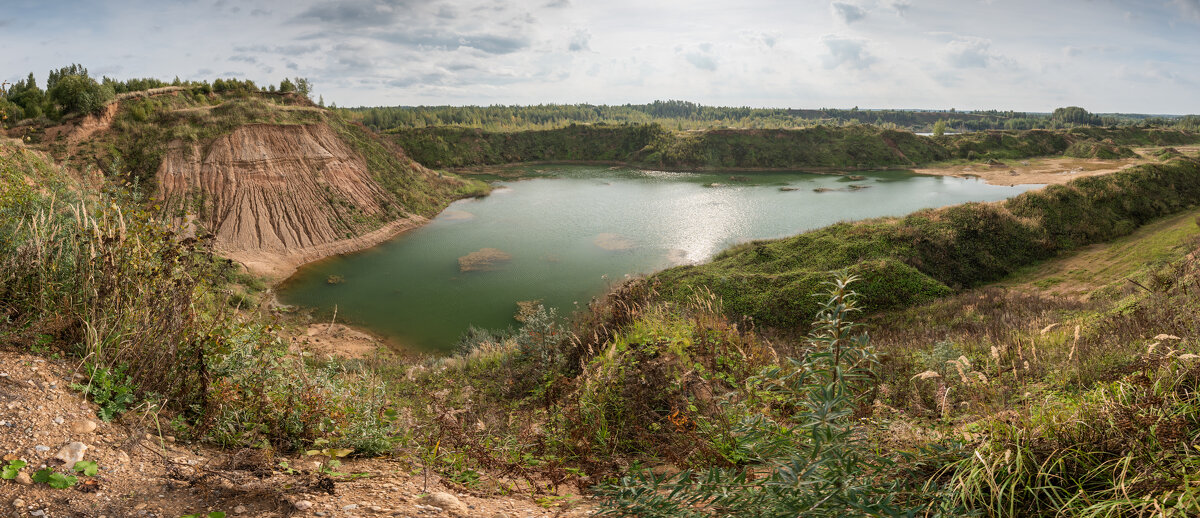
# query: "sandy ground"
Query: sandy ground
1049,171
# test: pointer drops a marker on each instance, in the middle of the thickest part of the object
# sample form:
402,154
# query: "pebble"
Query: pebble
58,420
241,509
41,448
83,426
71,453
23,479
349,507
446,501
18,503
302,505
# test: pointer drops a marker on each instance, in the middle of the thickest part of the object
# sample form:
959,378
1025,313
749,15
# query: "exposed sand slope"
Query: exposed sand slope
275,196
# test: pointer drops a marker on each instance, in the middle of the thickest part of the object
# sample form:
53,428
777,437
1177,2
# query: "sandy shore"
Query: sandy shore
1049,170
276,265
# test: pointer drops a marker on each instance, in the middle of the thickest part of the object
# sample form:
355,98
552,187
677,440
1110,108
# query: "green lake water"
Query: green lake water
572,231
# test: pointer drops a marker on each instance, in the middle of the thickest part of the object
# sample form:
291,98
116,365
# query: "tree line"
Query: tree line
71,90
683,115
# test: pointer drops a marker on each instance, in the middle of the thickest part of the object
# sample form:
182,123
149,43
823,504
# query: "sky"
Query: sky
1103,55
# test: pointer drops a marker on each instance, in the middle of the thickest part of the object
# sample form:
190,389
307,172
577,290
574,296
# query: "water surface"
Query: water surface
573,230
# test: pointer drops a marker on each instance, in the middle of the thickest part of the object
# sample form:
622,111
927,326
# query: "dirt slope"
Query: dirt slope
291,192
144,472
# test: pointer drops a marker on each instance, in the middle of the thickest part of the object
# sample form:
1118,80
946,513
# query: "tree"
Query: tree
939,128
79,94
303,87
1075,115
286,86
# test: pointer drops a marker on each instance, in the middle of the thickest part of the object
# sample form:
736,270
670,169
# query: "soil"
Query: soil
144,472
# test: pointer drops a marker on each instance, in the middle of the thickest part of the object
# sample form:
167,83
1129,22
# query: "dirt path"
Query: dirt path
1083,271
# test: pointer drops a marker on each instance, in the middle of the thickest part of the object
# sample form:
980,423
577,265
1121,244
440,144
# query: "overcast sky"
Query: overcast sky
969,54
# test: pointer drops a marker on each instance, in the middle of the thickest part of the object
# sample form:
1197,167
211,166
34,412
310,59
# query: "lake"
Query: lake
565,234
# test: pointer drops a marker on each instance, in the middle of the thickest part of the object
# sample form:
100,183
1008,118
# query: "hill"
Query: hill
277,180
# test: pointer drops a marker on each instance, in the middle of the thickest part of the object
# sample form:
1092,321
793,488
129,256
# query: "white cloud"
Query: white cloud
848,13
846,52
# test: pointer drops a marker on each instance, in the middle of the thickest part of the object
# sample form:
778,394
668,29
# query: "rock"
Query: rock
302,505
23,479
71,453
446,501
41,448
18,503
58,420
83,426
122,457
349,507
241,509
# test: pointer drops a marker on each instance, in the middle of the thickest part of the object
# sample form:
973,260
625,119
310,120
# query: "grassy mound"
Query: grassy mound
932,252
1094,149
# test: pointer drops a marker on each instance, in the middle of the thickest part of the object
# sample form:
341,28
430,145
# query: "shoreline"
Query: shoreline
276,266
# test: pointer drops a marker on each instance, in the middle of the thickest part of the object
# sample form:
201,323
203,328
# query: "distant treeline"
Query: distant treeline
858,146
682,115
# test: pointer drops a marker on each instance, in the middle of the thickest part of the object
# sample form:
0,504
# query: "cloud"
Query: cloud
849,13
580,41
354,13
969,53
1189,7
554,4
900,6
702,57
847,52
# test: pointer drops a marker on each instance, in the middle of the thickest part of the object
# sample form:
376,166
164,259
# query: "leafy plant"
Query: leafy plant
111,389
11,469
54,479
87,467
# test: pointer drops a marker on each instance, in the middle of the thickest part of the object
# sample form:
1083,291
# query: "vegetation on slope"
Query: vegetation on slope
151,321
844,147
934,252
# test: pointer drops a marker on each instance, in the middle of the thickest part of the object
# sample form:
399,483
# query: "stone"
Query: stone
58,420
302,505
23,479
447,502
83,426
18,503
349,507
122,457
241,509
71,453
41,448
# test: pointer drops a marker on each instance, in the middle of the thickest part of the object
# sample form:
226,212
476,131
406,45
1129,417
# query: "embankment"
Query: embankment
820,147
934,252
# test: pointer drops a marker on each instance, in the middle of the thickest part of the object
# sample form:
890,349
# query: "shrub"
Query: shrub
814,462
